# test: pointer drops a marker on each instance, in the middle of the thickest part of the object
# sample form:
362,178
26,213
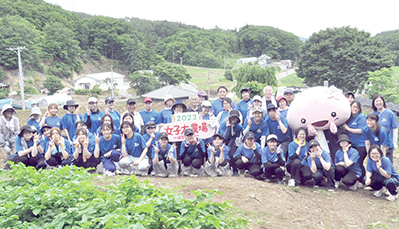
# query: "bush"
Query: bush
68,198
60,69
2,74
53,84
4,93
93,92
30,90
228,75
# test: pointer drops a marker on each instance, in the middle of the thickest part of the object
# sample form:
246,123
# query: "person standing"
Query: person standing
217,104
289,95
70,119
148,114
116,117
194,106
9,130
245,104
93,115
386,118
268,97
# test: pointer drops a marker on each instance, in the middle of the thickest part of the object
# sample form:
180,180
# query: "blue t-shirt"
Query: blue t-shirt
192,150
303,153
243,108
388,119
284,113
359,122
95,119
324,154
69,123
353,155
154,141
165,116
248,153
224,115
274,128
57,148
272,157
106,146
18,145
54,121
226,131
162,154
259,130
149,116
92,142
217,106
33,122
135,145
217,153
116,117
382,139
386,164
43,142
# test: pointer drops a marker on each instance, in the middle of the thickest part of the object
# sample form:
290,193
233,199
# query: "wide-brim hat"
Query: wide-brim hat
6,107
179,102
167,97
70,103
234,113
26,128
35,110
343,137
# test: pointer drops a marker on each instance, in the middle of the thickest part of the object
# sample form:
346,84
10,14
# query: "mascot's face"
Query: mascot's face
318,107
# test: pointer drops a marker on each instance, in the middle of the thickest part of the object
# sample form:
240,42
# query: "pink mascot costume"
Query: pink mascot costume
320,110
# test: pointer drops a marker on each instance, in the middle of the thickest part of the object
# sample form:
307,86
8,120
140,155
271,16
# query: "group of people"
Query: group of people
251,138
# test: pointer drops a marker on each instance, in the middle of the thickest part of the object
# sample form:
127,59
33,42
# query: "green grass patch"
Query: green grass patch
395,70
70,197
291,80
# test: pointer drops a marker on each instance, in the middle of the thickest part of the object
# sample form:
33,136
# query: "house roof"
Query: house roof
175,91
101,76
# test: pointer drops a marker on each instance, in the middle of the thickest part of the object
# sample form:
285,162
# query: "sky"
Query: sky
300,17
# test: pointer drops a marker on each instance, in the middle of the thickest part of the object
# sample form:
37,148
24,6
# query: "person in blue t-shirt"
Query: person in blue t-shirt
116,117
232,131
258,126
35,119
165,116
296,160
51,117
282,106
387,118
150,137
278,125
82,152
248,157
273,159
319,162
58,149
381,174
217,104
108,119
134,151
206,114
108,149
45,137
93,115
192,152
148,114
245,104
347,168
354,127
218,158
69,119
375,134
26,148
164,157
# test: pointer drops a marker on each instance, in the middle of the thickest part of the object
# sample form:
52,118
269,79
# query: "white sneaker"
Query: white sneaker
108,173
392,197
379,192
353,187
291,183
360,185
336,184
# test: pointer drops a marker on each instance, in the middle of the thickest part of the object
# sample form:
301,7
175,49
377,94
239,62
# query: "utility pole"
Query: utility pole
181,61
21,74
112,81
209,82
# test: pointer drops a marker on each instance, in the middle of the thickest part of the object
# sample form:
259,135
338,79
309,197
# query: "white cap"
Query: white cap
35,110
271,136
92,99
257,97
206,103
167,97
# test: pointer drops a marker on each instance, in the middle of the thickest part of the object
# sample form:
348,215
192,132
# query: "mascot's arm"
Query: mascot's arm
312,131
333,128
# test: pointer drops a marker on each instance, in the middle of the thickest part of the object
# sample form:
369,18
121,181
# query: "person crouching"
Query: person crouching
164,157
192,151
218,158
273,159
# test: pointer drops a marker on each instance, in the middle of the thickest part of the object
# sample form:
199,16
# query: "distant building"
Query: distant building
102,79
175,91
247,60
59,99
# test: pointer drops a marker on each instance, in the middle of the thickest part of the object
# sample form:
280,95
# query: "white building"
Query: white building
102,79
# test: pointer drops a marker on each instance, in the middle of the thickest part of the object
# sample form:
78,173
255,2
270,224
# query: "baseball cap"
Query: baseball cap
206,103
313,143
92,99
130,101
163,135
217,135
147,99
280,98
257,109
271,136
289,90
109,99
257,97
244,89
188,131
167,97
35,110
343,137
271,106
45,126
249,134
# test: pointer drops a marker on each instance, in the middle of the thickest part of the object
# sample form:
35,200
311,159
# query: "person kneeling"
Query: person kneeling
192,151
163,154
83,152
58,149
218,158
319,162
247,157
273,159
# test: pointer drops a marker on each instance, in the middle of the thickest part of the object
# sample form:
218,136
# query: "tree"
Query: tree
53,84
143,82
171,74
391,42
254,76
343,56
382,82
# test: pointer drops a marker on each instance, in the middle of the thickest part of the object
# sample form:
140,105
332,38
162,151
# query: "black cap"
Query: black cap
45,126
249,134
234,113
150,124
109,99
163,135
289,90
350,93
313,143
188,131
26,128
244,89
130,101
217,135
271,106
343,137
